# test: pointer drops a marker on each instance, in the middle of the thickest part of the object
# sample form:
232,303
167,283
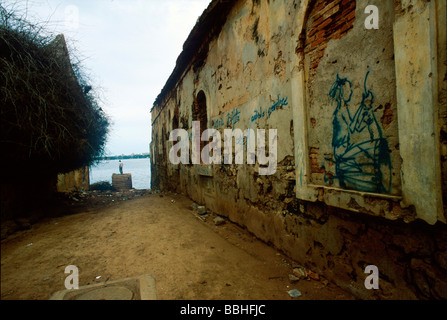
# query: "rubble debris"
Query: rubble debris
219,221
294,293
293,278
101,186
300,272
201,210
313,275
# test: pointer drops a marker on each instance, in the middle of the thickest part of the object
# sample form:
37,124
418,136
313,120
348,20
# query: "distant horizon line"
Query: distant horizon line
125,156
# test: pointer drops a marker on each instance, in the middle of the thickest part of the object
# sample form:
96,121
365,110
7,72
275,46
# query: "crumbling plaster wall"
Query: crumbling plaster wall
262,60
239,83
358,64
74,180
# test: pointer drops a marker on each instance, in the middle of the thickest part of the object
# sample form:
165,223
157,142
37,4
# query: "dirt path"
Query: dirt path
159,235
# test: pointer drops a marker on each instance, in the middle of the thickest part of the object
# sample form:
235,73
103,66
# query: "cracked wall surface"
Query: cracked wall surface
343,193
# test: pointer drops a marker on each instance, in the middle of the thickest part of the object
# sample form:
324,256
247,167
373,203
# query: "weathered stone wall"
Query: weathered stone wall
75,180
342,196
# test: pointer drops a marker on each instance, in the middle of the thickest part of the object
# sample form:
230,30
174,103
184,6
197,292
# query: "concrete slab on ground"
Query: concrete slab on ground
132,288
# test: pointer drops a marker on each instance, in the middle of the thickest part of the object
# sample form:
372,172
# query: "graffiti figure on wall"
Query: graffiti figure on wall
361,154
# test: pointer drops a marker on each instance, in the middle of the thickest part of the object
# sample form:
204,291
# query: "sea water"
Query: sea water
139,168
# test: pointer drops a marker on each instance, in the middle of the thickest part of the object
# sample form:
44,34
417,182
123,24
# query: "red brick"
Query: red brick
325,23
350,15
327,6
316,43
331,12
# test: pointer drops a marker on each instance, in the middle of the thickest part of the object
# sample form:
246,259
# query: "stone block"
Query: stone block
133,288
122,181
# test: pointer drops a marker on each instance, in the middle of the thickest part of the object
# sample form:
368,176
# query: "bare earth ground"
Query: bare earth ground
114,236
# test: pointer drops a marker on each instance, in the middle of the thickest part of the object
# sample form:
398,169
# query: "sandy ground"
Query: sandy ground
159,234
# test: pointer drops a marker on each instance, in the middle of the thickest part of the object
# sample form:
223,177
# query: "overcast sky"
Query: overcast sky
129,49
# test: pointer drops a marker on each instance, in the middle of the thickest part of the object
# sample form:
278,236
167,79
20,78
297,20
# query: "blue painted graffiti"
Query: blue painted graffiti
258,114
279,103
233,117
361,154
218,123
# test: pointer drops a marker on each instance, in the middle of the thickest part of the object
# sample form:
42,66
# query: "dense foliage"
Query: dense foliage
50,118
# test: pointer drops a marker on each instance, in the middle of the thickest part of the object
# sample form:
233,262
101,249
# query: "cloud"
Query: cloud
130,48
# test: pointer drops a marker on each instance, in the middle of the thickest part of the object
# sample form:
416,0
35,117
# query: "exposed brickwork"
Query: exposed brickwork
326,21
342,231
314,164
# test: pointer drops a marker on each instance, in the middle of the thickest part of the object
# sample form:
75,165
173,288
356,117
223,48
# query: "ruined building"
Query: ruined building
356,91
50,123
